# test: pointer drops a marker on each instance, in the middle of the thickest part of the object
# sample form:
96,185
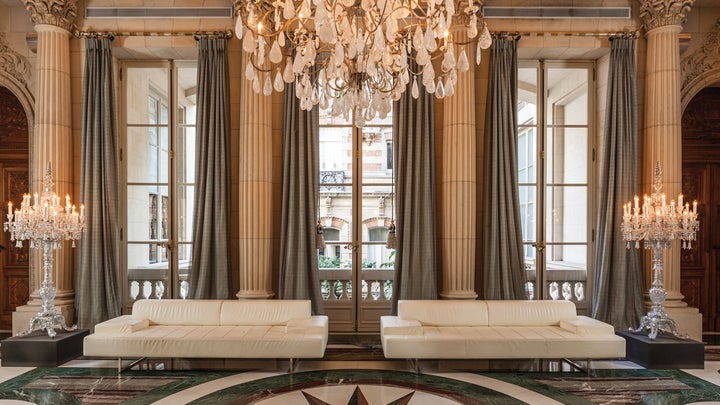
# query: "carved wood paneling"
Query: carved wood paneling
701,120
17,291
690,288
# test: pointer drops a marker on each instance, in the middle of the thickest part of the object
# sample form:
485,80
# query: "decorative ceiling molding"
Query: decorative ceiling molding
659,13
61,13
12,63
702,65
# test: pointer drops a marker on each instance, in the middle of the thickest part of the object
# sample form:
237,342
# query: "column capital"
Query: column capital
659,13
60,13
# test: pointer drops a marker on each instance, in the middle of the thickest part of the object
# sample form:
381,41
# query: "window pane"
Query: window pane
567,96
375,150
336,156
186,204
566,257
567,155
186,165
141,83
566,214
527,96
528,206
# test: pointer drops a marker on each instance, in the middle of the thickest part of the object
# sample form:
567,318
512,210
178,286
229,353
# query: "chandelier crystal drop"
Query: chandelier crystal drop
352,56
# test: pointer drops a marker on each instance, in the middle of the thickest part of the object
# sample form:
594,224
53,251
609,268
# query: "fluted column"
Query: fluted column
255,193
458,183
52,137
663,130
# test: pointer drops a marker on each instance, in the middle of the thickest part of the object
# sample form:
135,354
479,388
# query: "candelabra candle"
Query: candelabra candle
657,225
45,223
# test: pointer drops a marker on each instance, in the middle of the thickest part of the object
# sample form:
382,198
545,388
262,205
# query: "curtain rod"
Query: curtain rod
568,33
85,34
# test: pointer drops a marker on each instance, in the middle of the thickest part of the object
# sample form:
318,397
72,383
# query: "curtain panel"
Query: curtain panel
414,147
503,257
618,277
299,273
210,271
97,291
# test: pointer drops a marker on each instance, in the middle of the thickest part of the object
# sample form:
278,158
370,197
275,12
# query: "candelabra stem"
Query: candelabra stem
657,320
48,319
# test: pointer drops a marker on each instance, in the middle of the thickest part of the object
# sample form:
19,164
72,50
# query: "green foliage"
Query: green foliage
391,260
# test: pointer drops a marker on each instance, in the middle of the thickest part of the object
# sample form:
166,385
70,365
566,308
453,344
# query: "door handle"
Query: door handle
2,248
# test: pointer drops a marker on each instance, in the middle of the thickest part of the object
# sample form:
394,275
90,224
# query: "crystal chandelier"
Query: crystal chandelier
44,222
353,55
657,224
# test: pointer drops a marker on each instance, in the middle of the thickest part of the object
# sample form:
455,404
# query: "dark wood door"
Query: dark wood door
14,261
700,266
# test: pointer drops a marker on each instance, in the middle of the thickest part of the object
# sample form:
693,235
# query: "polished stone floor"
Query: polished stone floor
370,380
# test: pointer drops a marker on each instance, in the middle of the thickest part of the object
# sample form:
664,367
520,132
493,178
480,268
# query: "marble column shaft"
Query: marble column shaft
663,133
458,184
256,220
53,142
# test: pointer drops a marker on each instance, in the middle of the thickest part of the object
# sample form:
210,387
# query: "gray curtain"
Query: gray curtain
503,258
299,274
210,272
97,293
414,144
618,278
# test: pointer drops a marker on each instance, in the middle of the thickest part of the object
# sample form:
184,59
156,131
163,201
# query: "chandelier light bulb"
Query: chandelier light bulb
361,51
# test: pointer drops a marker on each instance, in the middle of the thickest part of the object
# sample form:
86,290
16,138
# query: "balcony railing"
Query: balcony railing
336,284
152,283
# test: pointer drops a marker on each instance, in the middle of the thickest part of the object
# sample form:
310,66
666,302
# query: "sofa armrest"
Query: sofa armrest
314,325
122,324
393,325
585,326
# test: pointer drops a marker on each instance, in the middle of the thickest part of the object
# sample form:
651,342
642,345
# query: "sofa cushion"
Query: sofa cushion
392,325
122,324
529,313
444,313
584,326
178,312
263,312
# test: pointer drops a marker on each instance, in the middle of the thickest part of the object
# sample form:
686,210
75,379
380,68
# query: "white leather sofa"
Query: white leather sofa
250,329
461,329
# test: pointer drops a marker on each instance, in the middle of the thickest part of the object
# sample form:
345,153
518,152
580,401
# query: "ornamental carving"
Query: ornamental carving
703,59
60,13
12,63
659,13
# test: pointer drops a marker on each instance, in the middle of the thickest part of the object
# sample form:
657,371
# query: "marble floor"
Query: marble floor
367,382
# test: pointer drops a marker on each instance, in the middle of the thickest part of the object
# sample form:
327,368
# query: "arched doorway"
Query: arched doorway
700,266
14,181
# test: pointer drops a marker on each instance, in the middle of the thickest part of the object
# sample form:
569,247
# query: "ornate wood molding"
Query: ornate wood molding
12,63
60,13
704,59
659,13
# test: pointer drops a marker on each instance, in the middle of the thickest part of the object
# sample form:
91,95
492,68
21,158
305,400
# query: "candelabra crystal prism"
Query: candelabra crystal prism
657,224
45,223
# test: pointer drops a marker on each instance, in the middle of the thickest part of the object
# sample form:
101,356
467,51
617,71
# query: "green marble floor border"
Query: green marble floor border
14,388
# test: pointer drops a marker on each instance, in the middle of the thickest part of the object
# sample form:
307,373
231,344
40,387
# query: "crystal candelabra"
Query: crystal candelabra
45,223
352,55
657,224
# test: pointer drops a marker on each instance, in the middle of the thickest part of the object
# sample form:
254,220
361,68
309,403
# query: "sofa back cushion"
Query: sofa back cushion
444,312
529,313
178,312
263,312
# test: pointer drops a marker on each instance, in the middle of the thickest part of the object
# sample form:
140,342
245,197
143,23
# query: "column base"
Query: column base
254,295
688,320
458,295
23,314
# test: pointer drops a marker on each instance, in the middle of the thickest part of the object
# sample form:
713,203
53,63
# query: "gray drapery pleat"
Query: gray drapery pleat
299,273
618,278
414,147
503,258
97,294
210,272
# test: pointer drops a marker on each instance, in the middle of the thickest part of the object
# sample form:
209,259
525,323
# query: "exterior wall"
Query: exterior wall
15,23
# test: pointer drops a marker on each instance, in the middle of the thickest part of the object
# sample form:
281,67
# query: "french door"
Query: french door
356,193
158,162
555,178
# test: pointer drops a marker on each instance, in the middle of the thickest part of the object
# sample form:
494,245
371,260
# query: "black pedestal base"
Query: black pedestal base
664,352
39,350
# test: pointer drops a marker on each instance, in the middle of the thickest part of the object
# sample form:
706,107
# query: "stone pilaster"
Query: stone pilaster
52,141
458,184
256,170
663,133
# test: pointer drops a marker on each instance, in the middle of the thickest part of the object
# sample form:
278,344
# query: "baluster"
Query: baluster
554,291
579,291
147,289
184,289
566,291
134,289
375,289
